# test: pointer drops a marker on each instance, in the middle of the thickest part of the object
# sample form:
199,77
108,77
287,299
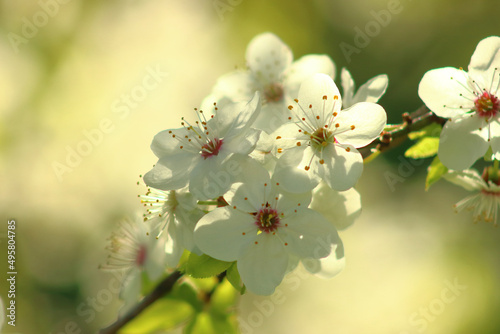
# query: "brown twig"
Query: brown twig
161,289
398,133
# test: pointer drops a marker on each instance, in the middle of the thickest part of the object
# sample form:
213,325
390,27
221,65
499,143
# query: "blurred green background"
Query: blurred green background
66,75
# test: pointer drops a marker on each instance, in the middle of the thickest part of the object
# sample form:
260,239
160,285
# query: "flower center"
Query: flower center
141,256
487,105
321,138
211,148
267,219
273,92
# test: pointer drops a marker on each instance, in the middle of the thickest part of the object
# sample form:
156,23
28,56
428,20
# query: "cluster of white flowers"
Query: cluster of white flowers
471,103
275,146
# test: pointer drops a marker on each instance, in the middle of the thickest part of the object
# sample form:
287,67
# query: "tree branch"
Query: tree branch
398,133
162,289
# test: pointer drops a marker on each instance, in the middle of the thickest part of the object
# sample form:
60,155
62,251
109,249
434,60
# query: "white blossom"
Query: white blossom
321,143
262,229
195,154
175,213
485,200
272,72
134,250
371,91
471,102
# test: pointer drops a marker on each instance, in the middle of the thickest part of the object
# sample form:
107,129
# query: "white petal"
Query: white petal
462,143
263,265
303,68
131,288
307,233
245,169
486,60
348,87
232,119
249,196
167,142
185,224
342,168
268,57
272,116
494,132
237,86
312,93
327,267
372,90
290,176
288,135
155,259
468,179
288,202
341,208
440,90
243,143
171,172
368,119
224,233
209,179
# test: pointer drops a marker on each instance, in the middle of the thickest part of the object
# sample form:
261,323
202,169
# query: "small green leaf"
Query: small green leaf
233,276
187,293
434,173
209,323
164,314
424,148
223,299
432,130
204,266
489,155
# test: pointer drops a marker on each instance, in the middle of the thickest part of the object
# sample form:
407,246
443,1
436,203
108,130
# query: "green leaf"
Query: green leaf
187,293
204,266
164,314
223,299
233,276
434,173
208,323
424,148
431,130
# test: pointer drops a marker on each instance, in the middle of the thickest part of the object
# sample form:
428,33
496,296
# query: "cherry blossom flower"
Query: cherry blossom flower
272,72
485,201
176,213
341,208
321,143
371,91
134,250
262,229
201,155
471,101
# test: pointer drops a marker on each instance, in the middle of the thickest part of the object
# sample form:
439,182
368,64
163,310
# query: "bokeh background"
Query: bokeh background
62,79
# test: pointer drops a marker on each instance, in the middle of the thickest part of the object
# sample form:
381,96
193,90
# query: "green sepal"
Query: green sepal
205,266
434,172
233,276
